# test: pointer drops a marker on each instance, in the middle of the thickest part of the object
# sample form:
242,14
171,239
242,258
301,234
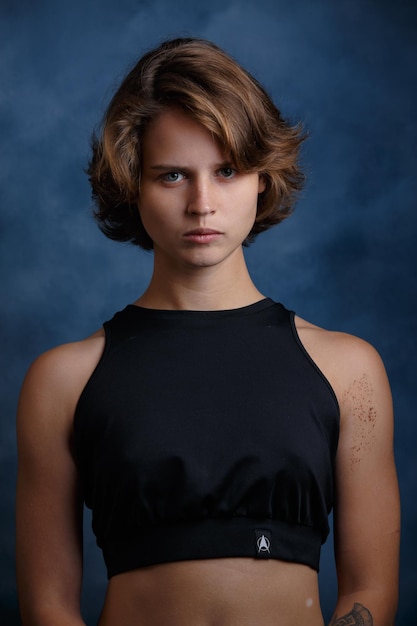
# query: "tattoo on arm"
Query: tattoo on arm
358,616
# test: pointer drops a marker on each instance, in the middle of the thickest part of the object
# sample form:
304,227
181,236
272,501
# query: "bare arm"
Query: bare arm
49,508
367,512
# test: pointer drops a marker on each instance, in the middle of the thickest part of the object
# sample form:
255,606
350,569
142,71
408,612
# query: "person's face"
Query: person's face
193,204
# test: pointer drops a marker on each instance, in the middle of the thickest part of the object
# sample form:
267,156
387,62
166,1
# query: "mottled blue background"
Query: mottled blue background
346,259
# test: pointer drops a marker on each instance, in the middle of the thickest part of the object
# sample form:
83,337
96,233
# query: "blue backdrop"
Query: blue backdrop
346,259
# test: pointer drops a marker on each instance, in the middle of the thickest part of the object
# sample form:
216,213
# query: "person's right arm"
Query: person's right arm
48,506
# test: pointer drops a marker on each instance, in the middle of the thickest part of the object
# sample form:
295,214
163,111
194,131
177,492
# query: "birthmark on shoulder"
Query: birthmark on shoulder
358,401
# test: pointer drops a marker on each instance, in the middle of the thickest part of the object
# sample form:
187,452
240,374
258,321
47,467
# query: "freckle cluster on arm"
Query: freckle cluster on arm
358,397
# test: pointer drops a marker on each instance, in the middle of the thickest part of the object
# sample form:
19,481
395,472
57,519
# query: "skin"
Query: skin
199,190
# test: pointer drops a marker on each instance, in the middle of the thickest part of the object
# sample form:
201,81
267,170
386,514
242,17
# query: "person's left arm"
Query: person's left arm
367,510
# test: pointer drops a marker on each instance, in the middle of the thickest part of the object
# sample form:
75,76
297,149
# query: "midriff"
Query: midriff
215,592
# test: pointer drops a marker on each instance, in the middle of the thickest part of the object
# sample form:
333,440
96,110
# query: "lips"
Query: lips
202,235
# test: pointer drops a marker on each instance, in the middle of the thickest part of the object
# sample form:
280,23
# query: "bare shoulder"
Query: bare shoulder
68,356
67,363
346,360
56,379
336,345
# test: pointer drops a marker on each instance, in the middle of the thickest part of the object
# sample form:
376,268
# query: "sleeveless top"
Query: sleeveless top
206,434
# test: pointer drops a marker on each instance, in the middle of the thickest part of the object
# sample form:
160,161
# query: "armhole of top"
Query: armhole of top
311,360
107,338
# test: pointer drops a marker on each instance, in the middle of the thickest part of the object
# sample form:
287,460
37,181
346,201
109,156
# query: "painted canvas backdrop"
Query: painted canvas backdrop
346,259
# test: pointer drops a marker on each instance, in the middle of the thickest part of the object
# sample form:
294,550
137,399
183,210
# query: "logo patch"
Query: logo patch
263,543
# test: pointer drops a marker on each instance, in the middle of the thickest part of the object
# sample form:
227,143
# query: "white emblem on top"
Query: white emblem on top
263,544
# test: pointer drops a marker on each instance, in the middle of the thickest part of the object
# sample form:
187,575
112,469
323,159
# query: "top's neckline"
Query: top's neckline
244,310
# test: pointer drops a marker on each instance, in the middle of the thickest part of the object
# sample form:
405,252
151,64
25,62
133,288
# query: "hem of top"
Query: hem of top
215,538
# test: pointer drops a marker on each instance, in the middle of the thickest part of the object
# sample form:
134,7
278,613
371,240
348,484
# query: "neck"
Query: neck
224,286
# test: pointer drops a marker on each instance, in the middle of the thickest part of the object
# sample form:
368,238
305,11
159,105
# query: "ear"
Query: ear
261,183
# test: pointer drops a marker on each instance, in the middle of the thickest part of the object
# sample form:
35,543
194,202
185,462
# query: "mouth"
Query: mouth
202,235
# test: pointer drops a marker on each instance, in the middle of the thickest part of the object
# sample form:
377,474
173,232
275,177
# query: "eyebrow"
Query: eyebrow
164,166
170,166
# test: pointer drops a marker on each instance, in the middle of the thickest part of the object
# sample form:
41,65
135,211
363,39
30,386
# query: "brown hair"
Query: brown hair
198,77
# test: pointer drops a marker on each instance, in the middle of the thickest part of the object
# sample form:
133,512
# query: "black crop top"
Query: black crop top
206,434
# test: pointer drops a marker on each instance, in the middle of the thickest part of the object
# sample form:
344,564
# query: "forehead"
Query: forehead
173,135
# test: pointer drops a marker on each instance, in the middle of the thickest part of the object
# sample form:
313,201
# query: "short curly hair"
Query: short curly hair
201,79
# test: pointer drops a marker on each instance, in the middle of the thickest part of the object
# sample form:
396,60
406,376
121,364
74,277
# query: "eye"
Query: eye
227,172
173,177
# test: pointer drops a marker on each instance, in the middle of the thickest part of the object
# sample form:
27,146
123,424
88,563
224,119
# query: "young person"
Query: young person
210,429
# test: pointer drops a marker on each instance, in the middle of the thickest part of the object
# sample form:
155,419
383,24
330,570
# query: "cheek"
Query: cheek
156,221
251,199
147,216
148,220
147,207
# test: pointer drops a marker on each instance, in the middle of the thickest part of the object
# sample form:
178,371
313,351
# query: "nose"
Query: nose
201,198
